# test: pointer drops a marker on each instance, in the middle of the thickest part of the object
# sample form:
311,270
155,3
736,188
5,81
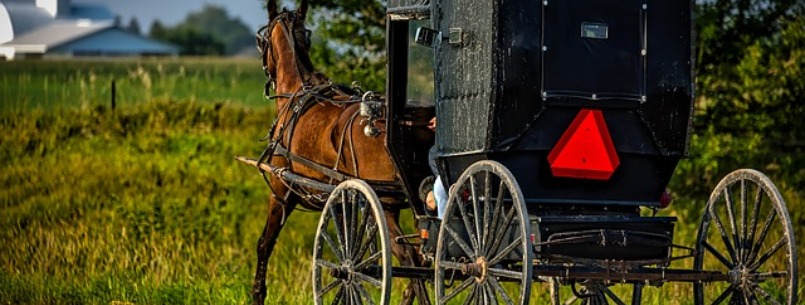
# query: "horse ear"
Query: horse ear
302,11
272,9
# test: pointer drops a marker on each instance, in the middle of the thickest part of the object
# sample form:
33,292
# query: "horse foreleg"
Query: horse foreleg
277,214
407,256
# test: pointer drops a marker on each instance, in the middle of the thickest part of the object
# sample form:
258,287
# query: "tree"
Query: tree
134,26
158,31
215,21
208,32
194,42
751,88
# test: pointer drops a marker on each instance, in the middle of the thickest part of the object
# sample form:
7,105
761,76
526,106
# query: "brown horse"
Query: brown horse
304,140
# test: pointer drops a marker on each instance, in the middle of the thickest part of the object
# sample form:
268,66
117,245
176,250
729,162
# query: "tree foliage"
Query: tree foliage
210,31
134,26
751,88
216,21
349,40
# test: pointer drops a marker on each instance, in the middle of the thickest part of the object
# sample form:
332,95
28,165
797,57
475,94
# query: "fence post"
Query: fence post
114,95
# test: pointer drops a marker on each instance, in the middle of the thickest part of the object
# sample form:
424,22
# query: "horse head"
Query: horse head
284,44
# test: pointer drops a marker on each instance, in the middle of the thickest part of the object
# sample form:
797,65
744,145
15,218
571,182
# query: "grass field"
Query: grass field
55,84
145,204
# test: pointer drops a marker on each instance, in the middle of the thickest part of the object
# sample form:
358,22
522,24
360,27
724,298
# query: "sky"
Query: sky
171,12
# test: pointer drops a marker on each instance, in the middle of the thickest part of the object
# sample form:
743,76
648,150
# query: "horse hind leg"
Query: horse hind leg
407,255
277,215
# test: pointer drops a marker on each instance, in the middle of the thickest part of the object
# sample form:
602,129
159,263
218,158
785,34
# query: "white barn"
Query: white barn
58,28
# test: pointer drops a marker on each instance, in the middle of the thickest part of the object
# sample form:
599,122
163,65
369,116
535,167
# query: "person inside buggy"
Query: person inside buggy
432,188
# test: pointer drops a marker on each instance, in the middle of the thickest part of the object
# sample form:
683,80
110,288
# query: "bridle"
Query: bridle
295,32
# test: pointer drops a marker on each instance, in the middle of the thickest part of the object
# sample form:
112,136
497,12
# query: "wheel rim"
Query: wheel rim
487,224
746,233
351,256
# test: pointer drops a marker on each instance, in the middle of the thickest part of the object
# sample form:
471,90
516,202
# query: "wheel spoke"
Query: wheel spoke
326,264
744,225
737,298
353,221
612,295
503,294
353,299
745,295
451,265
467,224
733,225
505,273
723,295
768,254
344,222
503,253
339,296
762,276
476,215
762,237
338,233
466,283
329,287
500,231
765,294
459,241
363,277
489,294
497,211
470,299
755,215
364,294
362,233
723,233
487,210
331,244
718,255
369,242
752,298
373,258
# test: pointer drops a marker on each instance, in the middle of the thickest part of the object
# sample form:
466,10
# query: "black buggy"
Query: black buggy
560,124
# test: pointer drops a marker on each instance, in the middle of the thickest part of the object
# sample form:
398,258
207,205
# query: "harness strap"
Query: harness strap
333,174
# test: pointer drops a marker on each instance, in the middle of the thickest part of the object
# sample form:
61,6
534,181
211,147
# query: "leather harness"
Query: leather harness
298,104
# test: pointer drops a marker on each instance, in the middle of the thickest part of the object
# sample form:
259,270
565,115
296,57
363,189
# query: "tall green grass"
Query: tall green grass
66,83
142,205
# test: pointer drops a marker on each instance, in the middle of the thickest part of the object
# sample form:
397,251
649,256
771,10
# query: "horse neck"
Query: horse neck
290,75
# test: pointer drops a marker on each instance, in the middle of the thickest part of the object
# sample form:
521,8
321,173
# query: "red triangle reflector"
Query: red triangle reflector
585,150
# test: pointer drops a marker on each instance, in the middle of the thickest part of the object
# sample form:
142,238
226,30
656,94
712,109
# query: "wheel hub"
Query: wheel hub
478,269
344,272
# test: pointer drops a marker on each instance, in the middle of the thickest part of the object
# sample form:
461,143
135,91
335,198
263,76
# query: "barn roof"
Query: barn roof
58,32
84,36
25,17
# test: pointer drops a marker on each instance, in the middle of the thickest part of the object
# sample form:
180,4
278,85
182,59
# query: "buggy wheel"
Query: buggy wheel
351,255
746,233
484,251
